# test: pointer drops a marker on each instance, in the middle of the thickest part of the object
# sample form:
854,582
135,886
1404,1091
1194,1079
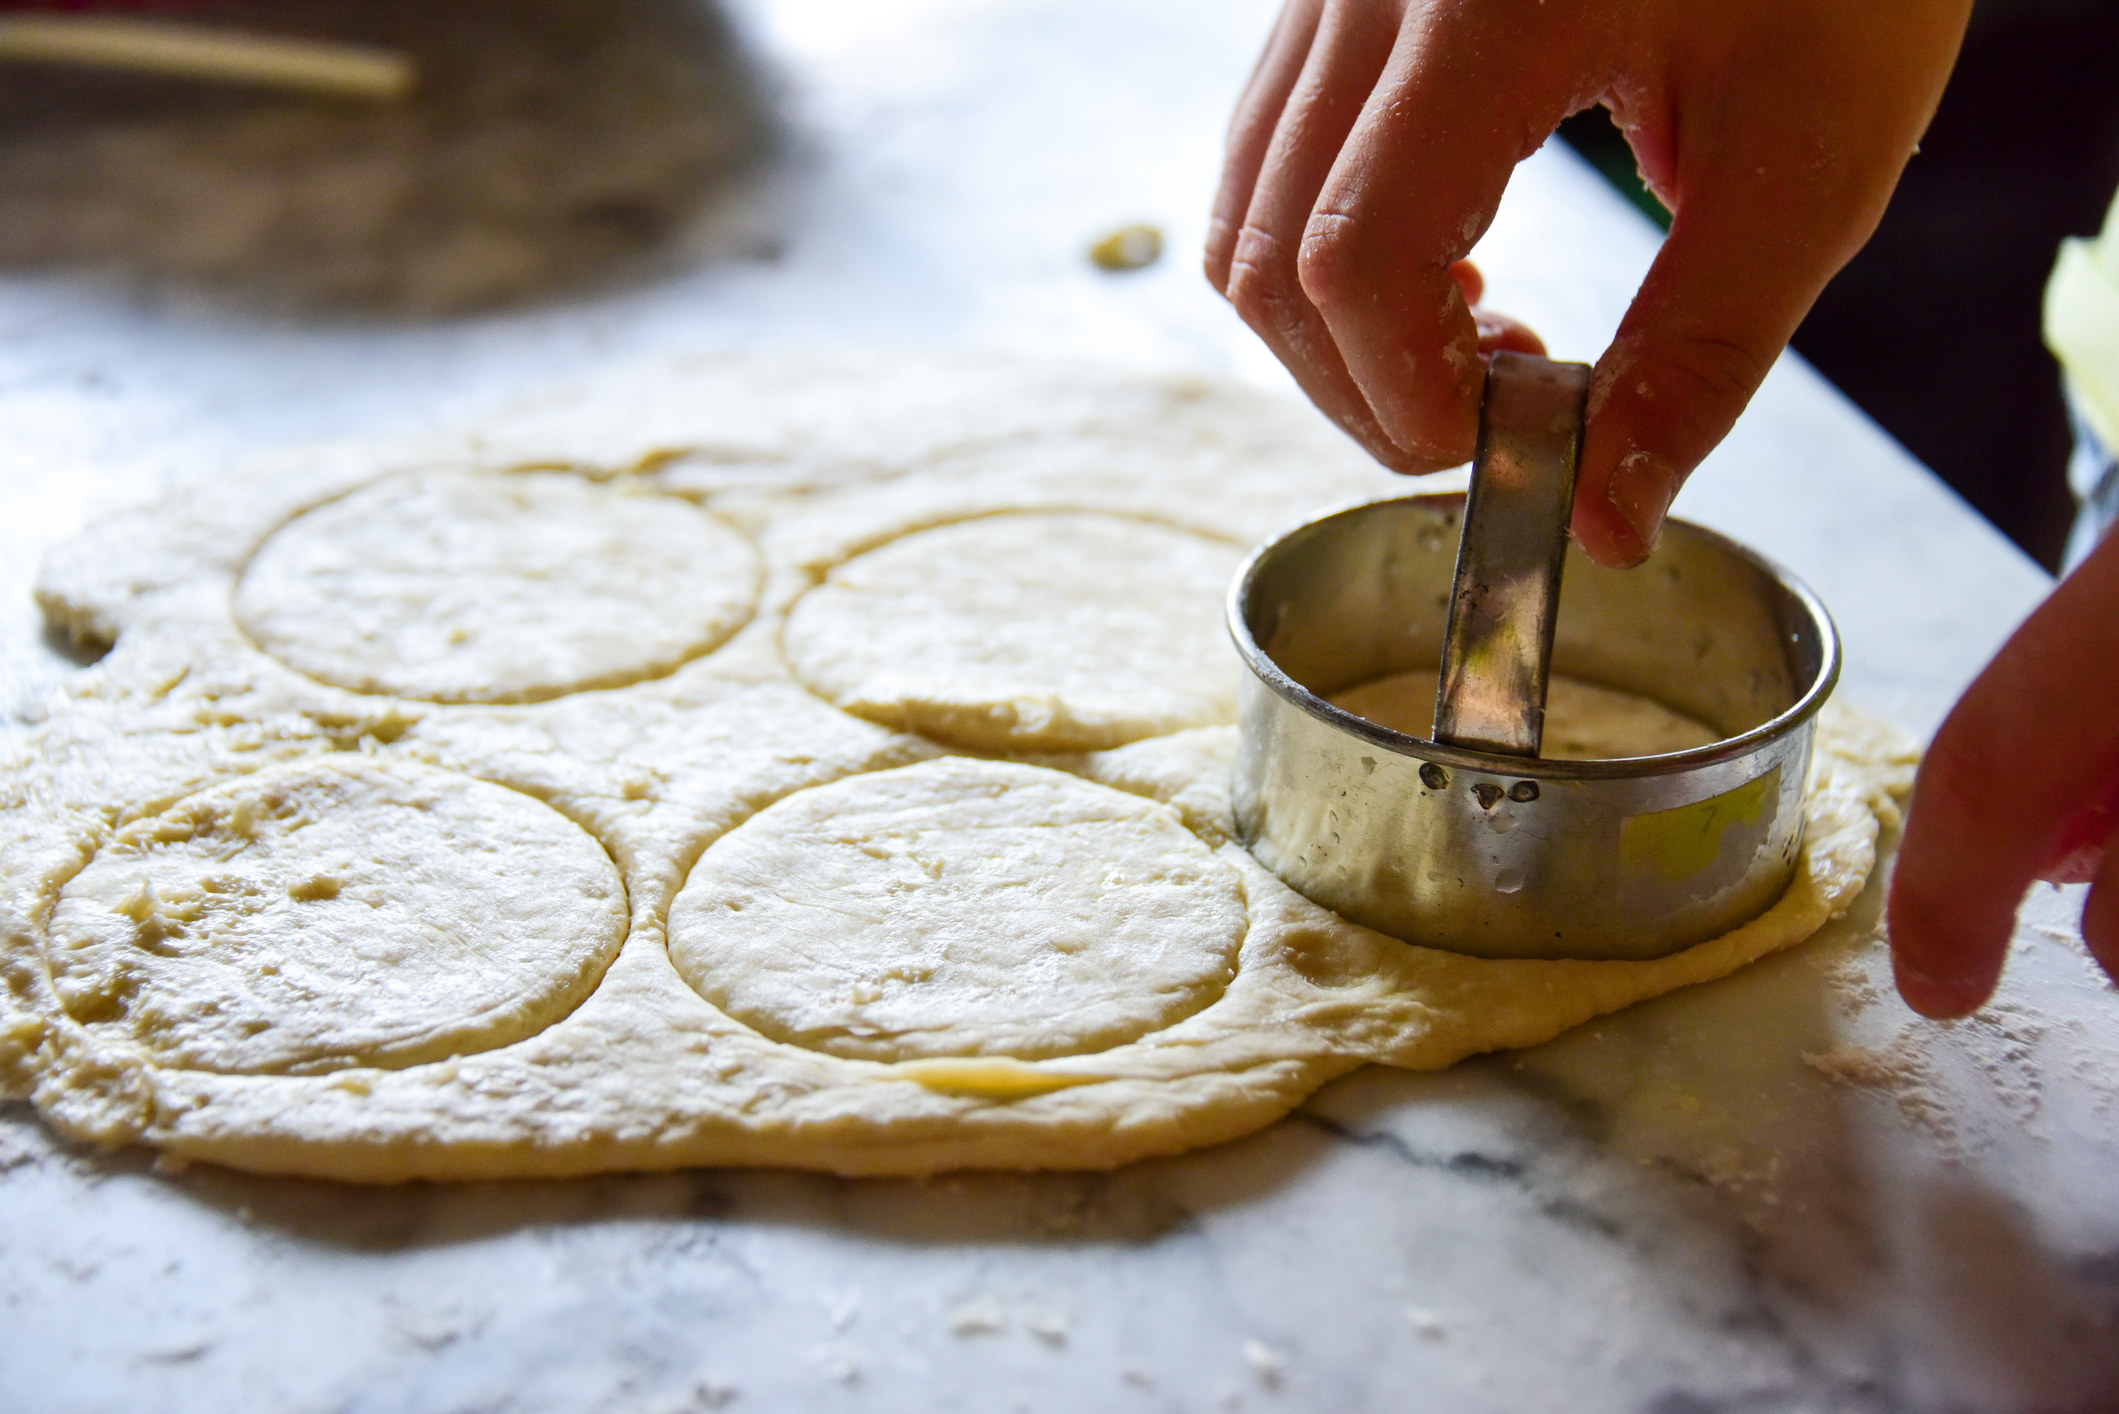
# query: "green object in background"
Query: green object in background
1592,134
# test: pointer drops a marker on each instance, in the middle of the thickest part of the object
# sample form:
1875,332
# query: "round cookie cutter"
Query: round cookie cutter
1471,841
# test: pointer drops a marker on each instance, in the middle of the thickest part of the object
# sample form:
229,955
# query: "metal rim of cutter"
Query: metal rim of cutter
1243,591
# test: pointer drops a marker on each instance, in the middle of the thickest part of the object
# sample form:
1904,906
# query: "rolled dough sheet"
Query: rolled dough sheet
817,835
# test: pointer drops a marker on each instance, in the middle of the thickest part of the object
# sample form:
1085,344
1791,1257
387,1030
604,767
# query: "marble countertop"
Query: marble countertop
1779,1192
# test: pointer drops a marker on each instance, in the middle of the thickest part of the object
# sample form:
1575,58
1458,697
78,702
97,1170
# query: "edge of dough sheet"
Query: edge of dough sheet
815,458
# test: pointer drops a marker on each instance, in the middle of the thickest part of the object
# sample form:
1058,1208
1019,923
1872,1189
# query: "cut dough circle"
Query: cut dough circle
1038,631
339,911
959,908
496,587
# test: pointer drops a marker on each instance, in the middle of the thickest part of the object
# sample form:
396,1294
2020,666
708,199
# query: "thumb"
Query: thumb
1719,304
1775,183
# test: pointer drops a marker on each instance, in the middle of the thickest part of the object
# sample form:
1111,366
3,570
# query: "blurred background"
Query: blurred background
546,147
552,149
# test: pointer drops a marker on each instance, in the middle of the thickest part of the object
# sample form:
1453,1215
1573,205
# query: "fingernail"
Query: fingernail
1641,488
1930,996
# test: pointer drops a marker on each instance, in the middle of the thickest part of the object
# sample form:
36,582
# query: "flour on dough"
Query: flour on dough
474,587
338,911
959,908
1583,721
832,772
1048,632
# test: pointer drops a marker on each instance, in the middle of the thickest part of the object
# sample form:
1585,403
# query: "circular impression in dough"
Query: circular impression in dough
959,908
333,912
1026,631
496,587
1584,721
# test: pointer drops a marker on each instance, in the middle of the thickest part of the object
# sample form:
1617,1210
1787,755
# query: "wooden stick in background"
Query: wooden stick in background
199,52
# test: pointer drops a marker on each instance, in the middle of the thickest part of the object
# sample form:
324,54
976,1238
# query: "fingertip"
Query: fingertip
1432,420
1446,429
1404,463
1640,488
1500,334
1214,259
1603,535
1620,508
1932,997
1633,463
1921,951
1469,280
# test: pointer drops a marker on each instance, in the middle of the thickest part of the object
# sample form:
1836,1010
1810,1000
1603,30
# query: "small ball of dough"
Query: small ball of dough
959,908
1038,632
492,587
339,911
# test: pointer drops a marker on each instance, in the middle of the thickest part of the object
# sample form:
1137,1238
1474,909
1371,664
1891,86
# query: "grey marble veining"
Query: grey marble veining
1780,1192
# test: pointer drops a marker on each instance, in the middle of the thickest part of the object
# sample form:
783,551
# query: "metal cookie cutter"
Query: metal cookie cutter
1471,841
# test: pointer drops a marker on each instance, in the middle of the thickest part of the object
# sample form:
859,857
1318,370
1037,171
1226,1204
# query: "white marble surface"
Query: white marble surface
1781,1192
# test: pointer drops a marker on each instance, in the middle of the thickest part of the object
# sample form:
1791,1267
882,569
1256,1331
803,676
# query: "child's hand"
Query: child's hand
2023,772
1371,149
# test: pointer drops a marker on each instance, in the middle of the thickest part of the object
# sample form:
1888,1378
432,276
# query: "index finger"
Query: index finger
1468,92
1251,130
2031,744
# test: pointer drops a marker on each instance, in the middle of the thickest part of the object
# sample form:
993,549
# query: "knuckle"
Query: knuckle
1723,369
1330,263
1703,381
1262,284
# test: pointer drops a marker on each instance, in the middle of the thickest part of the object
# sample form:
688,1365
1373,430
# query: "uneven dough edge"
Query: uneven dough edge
1143,1124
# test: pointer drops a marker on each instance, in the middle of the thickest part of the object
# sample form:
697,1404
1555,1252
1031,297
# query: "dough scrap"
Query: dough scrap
676,775
959,908
1026,632
473,587
332,912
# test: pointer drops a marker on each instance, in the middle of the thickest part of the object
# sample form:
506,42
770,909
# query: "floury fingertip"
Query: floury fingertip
1640,489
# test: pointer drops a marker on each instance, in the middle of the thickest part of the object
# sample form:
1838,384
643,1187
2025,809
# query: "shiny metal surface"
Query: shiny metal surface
1504,856
1497,649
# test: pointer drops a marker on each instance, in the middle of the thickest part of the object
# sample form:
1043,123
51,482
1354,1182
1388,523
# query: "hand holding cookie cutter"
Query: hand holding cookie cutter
1471,841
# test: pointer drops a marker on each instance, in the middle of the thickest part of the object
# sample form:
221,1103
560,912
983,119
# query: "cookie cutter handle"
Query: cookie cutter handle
1497,652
